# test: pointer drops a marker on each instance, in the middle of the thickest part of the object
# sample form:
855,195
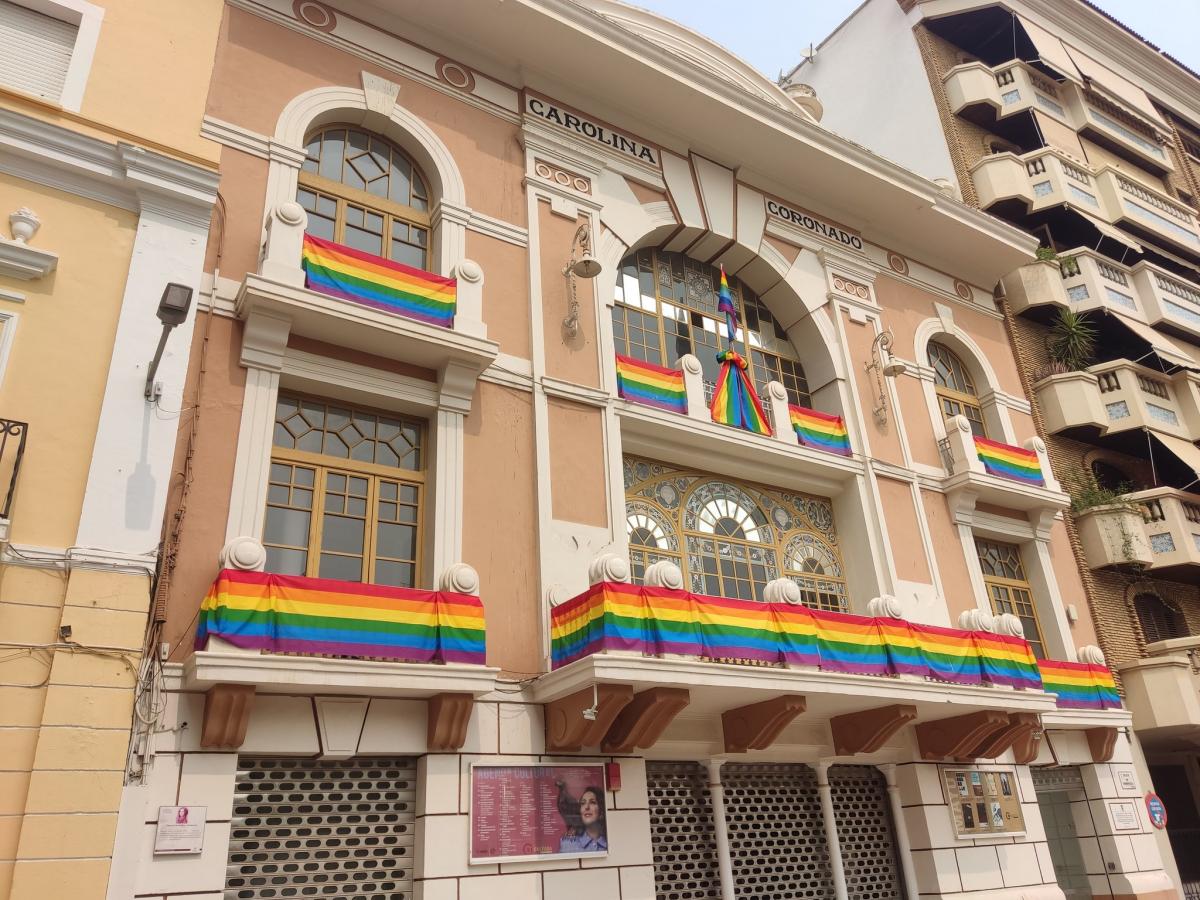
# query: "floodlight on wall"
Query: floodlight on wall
173,308
884,365
584,266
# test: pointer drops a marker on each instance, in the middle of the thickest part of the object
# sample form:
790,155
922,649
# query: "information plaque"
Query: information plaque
983,802
550,811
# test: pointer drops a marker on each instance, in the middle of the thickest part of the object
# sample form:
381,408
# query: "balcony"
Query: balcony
1119,396
278,634
1171,523
12,451
1162,691
634,657
1001,91
1167,299
1147,211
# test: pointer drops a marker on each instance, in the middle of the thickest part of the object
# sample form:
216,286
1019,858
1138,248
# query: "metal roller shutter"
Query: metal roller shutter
864,824
326,830
776,832
681,832
35,50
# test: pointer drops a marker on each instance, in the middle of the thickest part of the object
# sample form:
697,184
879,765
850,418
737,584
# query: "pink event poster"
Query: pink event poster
527,812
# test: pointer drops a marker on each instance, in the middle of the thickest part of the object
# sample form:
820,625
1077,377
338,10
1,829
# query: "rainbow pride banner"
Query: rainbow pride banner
820,430
1009,462
349,274
656,621
735,401
293,614
1080,685
651,385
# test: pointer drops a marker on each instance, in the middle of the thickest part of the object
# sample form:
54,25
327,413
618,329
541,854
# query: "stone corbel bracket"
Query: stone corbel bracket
758,725
227,710
642,722
449,716
1020,726
958,737
583,719
1102,742
870,729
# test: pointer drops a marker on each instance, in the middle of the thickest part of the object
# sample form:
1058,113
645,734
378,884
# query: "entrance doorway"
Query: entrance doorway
1056,787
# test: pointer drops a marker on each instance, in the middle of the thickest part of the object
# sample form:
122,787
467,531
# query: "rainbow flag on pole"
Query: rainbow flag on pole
725,305
652,385
820,430
734,400
293,614
1009,462
349,274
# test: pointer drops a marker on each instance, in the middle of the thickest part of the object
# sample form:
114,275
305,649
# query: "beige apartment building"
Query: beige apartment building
596,478
106,194
1062,121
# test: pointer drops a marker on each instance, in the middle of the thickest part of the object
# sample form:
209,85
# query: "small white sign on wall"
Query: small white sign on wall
180,830
1126,780
1124,816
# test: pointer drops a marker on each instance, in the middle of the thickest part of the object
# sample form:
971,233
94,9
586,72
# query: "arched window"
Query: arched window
731,538
1161,620
1008,588
363,191
955,387
666,306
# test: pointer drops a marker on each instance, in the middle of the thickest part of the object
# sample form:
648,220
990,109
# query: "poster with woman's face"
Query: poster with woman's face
537,812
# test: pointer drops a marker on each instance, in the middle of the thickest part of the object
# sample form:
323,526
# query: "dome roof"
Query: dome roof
694,47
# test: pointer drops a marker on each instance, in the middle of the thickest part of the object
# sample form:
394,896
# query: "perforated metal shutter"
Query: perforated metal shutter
865,834
776,832
328,830
1057,778
681,832
35,50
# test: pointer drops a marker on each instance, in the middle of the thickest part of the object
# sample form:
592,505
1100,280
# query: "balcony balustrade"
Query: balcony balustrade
1148,210
12,450
1162,690
1008,88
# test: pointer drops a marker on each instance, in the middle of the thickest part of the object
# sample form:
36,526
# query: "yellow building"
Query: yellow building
106,195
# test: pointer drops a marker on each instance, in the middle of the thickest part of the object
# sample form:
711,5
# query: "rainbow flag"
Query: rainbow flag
820,430
725,305
1009,462
1080,685
293,614
734,400
349,274
657,621
651,385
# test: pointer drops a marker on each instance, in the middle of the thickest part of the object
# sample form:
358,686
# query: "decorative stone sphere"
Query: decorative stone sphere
460,579
782,590
1092,655
245,553
469,270
291,213
608,567
691,363
664,574
1007,623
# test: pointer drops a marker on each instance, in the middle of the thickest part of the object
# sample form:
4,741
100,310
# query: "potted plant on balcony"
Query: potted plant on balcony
1069,396
1071,342
1110,526
1038,283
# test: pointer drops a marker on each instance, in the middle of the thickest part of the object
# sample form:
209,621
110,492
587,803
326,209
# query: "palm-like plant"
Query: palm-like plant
1072,339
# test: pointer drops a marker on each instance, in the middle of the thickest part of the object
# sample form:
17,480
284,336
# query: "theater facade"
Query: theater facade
605,482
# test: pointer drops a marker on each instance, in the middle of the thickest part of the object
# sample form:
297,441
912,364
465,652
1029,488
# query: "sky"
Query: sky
773,34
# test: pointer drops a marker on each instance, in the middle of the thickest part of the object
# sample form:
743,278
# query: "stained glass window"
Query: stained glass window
955,388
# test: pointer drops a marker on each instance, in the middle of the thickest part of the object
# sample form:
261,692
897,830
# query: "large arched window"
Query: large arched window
363,191
955,387
1161,620
731,538
666,306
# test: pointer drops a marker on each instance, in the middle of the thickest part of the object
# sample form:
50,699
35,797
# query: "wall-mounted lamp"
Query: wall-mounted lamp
173,309
884,365
584,266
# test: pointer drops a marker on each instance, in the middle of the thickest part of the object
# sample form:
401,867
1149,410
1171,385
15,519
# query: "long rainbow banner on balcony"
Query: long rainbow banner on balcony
1080,685
820,430
349,274
292,614
656,621
1009,462
651,385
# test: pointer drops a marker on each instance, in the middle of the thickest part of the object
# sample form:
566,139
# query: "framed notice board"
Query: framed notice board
983,803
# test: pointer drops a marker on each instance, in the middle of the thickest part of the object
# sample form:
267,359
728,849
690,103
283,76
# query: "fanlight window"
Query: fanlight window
666,306
955,388
729,538
363,191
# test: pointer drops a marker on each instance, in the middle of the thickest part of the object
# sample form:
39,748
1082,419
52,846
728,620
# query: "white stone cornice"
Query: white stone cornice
228,134
19,260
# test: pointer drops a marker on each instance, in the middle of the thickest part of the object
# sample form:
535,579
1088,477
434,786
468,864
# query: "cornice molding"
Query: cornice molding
19,260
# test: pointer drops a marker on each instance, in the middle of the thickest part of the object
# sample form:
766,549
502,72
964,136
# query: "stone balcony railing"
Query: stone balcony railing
1125,199
1162,690
1156,529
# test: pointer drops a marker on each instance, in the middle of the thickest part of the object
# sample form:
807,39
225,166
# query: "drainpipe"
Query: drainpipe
721,829
831,833
900,829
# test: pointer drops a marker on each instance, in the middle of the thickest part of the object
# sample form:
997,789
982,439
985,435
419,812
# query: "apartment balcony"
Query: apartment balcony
1118,130
1162,690
1167,299
1093,282
1147,211
12,450
1115,397
263,633
1000,91
627,661
1171,523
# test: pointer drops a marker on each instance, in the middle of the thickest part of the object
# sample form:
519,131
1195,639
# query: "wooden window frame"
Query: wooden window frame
964,400
323,464
1008,585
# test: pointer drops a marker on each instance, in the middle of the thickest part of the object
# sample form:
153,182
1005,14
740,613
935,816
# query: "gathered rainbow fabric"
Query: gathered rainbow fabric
820,430
1080,685
349,274
651,385
1009,462
734,399
657,621
294,614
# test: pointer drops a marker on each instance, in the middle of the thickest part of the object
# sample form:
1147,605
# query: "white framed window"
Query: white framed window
47,47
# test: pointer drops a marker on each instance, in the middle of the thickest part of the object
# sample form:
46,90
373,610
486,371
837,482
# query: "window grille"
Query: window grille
682,835
865,834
